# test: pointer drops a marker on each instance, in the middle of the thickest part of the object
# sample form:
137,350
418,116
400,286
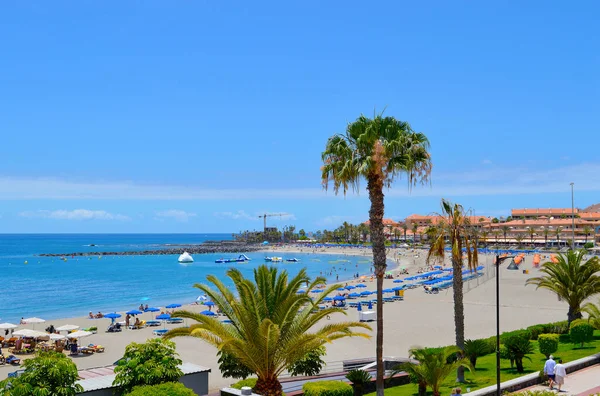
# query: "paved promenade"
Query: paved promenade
581,383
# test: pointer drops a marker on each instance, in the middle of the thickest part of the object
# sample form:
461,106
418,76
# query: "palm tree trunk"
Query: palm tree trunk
459,313
375,188
268,387
571,316
422,389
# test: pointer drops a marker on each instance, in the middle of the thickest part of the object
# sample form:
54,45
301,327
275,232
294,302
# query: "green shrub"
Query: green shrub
581,332
535,331
251,382
327,388
522,333
167,389
564,338
588,245
548,344
150,363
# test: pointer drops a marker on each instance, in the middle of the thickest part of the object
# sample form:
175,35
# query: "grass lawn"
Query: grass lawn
485,372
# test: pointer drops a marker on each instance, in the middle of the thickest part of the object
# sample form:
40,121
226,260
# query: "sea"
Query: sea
52,288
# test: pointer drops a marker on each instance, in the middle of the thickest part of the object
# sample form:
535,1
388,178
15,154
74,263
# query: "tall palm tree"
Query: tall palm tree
415,227
546,232
505,230
433,366
455,227
496,235
587,230
378,150
404,228
531,231
271,322
558,231
571,279
519,238
484,235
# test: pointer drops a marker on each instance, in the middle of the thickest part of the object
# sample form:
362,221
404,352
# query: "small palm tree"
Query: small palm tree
455,227
271,322
571,278
433,366
593,311
476,348
377,150
517,348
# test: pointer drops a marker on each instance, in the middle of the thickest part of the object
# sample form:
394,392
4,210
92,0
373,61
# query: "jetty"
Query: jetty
206,247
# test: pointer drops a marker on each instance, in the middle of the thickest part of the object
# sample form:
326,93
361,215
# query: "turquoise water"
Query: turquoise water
50,288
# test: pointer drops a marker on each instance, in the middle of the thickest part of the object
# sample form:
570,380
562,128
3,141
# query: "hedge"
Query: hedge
327,388
548,344
166,389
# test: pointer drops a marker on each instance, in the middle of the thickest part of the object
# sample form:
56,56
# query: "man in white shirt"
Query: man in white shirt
549,370
560,371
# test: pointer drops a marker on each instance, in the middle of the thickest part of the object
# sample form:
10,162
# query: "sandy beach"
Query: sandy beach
421,320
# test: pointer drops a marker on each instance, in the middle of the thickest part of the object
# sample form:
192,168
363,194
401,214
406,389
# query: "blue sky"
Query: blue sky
153,116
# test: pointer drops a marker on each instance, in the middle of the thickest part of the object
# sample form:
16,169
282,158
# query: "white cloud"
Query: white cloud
336,221
240,214
77,214
486,162
176,214
489,180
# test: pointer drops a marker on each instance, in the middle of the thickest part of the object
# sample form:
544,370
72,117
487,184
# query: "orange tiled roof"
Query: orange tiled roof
542,211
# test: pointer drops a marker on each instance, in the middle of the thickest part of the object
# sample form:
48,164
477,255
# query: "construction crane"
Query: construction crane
264,217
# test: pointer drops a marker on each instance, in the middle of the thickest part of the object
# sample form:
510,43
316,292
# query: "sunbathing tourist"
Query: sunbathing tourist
91,315
99,315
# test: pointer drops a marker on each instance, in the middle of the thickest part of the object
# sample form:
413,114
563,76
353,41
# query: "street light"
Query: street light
572,217
499,260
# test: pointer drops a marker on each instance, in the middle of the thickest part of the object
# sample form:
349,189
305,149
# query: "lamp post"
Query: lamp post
499,260
572,217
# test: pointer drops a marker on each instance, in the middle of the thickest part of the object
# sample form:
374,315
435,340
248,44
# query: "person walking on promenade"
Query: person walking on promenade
549,370
560,371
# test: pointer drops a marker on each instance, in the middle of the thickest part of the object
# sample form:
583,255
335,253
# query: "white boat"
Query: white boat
186,258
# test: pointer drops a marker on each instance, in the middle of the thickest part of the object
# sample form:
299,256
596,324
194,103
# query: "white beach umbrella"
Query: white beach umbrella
5,326
29,333
79,334
33,320
67,327
55,337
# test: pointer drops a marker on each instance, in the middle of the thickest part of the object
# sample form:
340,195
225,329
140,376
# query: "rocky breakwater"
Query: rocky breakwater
206,247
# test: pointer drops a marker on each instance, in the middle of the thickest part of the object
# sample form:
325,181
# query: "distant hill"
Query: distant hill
593,208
